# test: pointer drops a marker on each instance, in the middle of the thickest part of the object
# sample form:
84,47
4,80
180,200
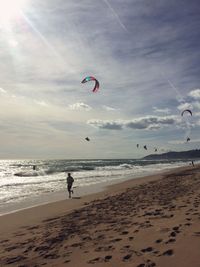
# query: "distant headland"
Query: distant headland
190,154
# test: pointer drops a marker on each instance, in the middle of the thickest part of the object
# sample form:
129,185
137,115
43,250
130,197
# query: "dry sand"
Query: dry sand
152,221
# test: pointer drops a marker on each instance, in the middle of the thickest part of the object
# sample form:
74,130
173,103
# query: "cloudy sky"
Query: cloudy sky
145,54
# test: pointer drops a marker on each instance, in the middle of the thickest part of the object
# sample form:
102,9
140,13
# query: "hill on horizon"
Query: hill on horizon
190,154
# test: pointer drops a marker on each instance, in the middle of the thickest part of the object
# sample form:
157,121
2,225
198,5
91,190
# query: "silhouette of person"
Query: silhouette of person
192,163
70,181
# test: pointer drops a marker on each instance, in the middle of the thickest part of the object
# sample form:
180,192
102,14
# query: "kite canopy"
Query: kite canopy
91,78
186,110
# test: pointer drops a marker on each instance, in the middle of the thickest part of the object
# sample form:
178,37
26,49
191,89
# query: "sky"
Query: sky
145,55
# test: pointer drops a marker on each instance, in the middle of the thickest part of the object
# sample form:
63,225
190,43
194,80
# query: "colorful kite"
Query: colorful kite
91,78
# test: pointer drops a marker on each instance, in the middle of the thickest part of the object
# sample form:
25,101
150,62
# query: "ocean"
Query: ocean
21,186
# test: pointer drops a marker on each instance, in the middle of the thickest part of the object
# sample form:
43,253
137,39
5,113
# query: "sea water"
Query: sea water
19,183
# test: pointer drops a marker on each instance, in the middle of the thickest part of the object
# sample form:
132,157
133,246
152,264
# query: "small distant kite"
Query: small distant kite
137,145
186,110
87,139
91,78
145,147
188,139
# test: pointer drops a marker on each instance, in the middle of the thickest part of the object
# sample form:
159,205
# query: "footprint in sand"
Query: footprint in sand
116,240
11,248
176,228
21,234
67,261
173,234
168,252
15,259
29,248
95,260
158,241
148,264
127,246
127,257
149,249
197,233
77,245
108,257
32,228
86,238
51,256
124,233
106,248
171,240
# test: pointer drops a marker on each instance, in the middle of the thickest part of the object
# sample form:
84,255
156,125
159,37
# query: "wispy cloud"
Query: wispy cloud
144,123
109,108
80,106
109,125
195,94
185,106
41,103
2,91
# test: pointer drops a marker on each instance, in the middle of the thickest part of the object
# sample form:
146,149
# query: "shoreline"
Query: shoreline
78,202
81,191
38,213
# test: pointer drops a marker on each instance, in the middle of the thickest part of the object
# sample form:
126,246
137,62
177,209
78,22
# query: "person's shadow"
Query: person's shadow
76,197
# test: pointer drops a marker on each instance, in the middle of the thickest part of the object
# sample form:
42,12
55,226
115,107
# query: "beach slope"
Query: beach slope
151,221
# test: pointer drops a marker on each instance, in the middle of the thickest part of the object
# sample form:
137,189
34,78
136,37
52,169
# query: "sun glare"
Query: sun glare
10,10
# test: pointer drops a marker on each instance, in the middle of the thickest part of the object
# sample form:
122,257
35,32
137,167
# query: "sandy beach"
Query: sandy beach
145,222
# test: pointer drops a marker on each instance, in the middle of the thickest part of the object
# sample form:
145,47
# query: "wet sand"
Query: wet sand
146,222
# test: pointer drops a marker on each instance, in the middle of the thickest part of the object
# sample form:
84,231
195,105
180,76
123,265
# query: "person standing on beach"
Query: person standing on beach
192,163
70,181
